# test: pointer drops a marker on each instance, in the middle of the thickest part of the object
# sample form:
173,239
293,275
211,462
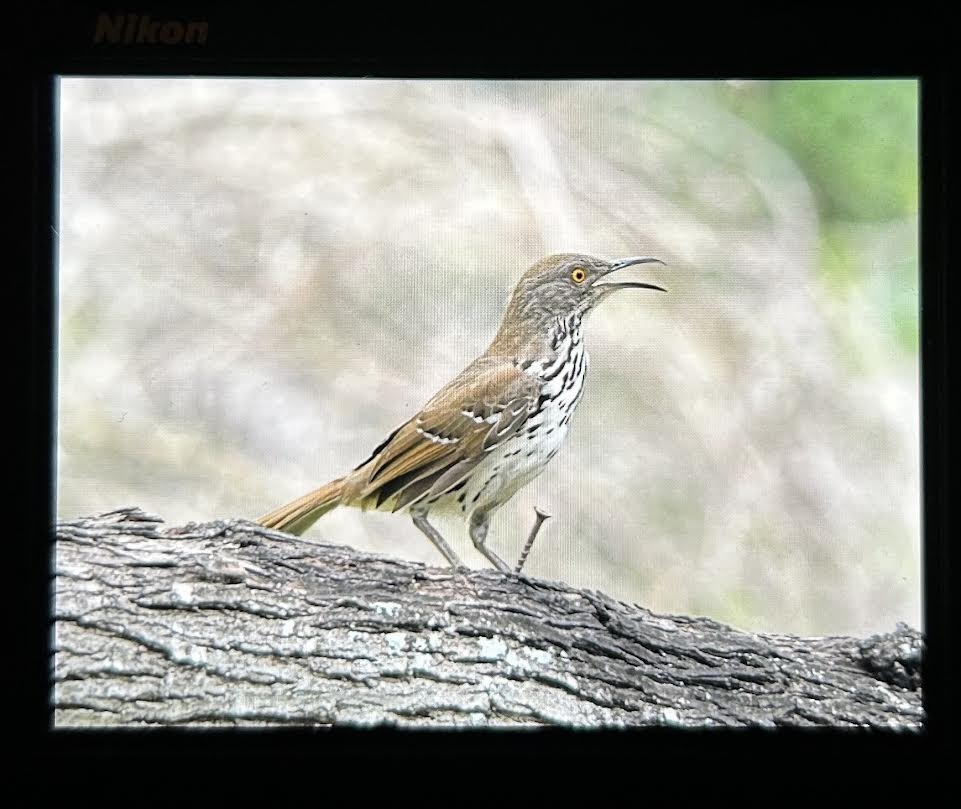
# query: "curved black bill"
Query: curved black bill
630,284
620,264
629,262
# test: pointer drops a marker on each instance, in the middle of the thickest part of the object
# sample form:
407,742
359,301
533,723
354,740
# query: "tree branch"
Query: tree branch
230,623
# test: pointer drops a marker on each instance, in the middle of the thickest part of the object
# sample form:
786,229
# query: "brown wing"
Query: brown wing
434,451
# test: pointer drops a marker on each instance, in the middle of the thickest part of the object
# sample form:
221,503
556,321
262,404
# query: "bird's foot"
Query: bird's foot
420,520
493,558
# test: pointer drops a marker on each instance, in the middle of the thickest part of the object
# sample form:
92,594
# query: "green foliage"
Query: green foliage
857,141
879,263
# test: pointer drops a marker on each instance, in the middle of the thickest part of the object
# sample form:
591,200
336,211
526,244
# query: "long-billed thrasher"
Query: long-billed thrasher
494,427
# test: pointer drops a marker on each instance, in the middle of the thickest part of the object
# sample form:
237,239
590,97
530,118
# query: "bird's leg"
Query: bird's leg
420,520
479,523
539,518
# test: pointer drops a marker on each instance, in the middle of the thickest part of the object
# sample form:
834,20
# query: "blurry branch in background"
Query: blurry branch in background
229,623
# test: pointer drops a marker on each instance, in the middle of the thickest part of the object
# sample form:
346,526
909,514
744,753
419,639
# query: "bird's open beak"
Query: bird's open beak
605,285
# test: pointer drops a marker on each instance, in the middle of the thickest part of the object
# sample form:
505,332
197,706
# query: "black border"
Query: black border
278,40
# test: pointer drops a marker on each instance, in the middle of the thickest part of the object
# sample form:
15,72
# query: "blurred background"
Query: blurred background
260,279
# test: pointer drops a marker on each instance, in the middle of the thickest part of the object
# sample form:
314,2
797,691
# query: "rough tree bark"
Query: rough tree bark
229,623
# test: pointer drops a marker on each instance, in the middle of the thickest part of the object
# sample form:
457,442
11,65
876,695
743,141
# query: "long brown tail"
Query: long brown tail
298,515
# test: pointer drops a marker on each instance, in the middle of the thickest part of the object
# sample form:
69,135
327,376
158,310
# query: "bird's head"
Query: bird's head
570,284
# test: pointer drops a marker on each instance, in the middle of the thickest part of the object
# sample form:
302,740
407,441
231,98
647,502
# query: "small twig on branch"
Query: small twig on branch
539,517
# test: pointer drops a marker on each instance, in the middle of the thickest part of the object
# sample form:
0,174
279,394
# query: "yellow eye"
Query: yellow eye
578,274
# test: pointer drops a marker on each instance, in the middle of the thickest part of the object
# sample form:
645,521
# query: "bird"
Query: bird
494,427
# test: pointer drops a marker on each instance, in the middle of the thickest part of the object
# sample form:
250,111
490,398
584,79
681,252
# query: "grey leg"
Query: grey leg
479,523
420,520
538,522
